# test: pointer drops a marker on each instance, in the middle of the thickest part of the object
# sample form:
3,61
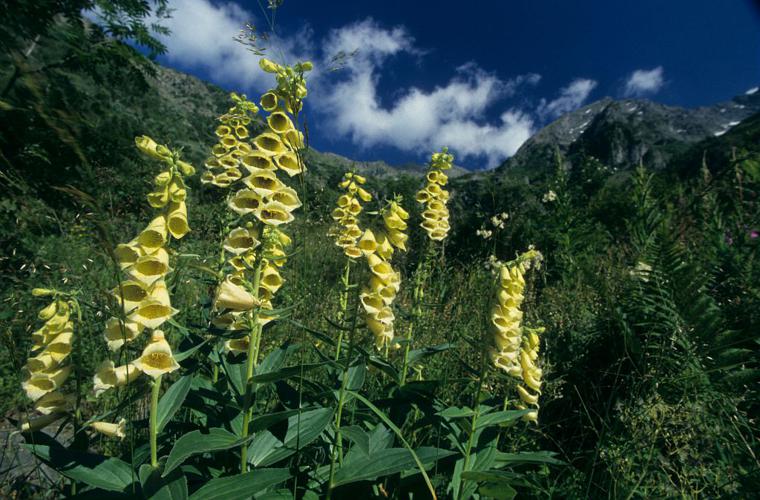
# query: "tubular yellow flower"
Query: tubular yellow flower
148,146
177,221
269,143
515,348
157,358
37,384
245,201
150,268
436,215
241,240
239,345
116,336
231,295
109,376
153,237
35,424
153,311
117,430
54,402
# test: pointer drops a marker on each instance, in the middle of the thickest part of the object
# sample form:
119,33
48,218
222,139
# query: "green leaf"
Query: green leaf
181,356
358,435
196,442
240,486
172,400
418,354
356,375
532,457
235,374
499,418
395,429
156,487
455,412
284,373
386,462
266,449
498,491
109,474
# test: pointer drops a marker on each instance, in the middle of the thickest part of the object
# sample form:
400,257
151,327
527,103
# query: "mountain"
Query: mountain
623,133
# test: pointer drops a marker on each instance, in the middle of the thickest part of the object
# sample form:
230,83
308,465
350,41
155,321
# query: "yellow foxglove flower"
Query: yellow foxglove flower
240,241
156,309
116,336
131,293
246,201
288,197
148,146
109,376
279,122
269,143
157,358
42,292
263,182
37,384
384,246
117,430
269,101
270,278
274,213
177,221
53,402
236,345
186,169
380,268
128,253
293,139
372,301
49,311
151,267
153,237
289,163
231,295
269,66
527,397
35,424
368,243
258,160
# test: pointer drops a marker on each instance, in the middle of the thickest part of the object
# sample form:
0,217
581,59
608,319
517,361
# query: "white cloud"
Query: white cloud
570,98
202,38
644,81
417,119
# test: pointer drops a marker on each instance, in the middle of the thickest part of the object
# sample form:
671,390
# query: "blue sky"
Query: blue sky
478,76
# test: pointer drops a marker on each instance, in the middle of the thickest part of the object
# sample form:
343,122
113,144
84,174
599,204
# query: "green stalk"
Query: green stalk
343,304
419,286
254,339
475,416
154,421
337,451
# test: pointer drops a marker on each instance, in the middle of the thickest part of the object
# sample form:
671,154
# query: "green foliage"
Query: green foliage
649,296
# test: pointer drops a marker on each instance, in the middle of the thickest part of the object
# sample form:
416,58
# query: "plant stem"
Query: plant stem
254,339
343,305
337,451
420,276
475,415
154,421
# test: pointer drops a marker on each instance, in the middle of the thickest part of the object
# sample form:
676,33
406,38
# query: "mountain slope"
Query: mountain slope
623,133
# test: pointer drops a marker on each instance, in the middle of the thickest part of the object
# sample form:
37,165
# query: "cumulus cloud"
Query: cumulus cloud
644,81
418,119
202,38
569,99
349,103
